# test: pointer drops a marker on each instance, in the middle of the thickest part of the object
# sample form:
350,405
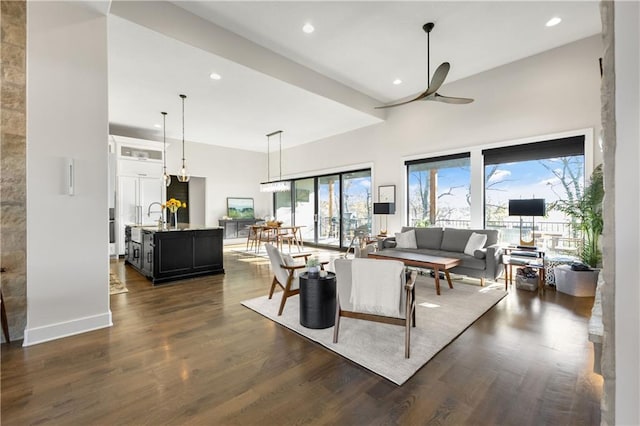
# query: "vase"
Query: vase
175,219
313,271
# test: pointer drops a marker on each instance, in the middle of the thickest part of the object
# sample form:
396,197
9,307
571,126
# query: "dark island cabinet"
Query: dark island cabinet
165,256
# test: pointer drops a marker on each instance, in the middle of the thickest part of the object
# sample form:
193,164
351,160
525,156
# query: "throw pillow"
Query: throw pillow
406,239
288,260
475,242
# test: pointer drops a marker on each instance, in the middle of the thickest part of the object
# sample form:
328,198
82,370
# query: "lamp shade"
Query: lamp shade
384,208
530,207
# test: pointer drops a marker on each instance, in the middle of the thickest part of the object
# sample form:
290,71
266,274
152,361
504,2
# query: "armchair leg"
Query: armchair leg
407,336
285,294
273,287
336,327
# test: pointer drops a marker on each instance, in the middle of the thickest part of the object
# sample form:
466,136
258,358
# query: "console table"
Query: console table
523,257
236,228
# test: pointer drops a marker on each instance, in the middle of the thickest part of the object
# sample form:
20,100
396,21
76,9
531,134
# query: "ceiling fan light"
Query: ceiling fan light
553,21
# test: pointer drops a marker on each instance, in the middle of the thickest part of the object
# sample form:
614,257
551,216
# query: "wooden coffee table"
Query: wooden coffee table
421,261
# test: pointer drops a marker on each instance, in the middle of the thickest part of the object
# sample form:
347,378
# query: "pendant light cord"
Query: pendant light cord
183,96
280,166
164,142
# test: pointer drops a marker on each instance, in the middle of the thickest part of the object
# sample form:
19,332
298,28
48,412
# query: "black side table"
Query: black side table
317,300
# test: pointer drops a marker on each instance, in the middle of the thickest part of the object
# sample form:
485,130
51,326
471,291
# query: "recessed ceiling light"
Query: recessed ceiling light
397,81
308,28
215,76
157,126
553,21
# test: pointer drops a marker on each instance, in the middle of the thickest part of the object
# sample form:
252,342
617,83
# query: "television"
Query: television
240,208
384,208
530,207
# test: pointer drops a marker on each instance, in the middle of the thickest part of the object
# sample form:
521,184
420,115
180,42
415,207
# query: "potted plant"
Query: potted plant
313,266
586,212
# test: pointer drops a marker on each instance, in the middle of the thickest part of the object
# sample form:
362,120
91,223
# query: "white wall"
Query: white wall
627,212
197,198
553,92
67,236
228,173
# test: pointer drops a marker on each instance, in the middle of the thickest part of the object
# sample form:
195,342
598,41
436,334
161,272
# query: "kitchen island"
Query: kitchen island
164,255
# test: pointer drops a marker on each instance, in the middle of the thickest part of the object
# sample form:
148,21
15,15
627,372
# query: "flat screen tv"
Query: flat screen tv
240,208
530,207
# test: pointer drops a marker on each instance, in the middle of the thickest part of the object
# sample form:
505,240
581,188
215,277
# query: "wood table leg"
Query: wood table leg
541,281
446,273
5,323
437,277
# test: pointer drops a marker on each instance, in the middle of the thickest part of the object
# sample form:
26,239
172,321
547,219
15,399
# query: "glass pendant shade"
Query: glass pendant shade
184,174
166,178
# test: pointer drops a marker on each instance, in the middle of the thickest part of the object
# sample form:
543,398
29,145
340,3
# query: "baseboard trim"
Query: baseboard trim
36,335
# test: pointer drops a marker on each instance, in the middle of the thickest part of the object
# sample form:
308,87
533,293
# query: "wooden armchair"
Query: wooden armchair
375,275
285,273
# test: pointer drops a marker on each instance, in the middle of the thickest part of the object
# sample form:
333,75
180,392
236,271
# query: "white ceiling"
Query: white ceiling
362,46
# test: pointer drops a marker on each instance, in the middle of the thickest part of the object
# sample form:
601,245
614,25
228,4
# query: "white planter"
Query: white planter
576,283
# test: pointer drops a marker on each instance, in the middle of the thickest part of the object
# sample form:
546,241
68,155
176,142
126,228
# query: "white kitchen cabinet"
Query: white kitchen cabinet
135,195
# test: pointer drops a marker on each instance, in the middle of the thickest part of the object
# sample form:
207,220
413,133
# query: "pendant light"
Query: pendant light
184,175
278,185
165,176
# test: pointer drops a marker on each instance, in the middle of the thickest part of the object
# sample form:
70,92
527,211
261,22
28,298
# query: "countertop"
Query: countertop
181,227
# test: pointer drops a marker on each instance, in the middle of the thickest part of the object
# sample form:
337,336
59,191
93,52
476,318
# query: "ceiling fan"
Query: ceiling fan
438,78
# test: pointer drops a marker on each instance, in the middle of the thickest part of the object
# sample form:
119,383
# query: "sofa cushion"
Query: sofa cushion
429,238
406,239
455,239
476,242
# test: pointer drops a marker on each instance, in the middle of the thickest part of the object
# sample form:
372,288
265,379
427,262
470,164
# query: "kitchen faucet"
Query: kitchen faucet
161,221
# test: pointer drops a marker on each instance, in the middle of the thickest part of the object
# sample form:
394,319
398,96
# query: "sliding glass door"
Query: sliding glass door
329,208
356,204
304,202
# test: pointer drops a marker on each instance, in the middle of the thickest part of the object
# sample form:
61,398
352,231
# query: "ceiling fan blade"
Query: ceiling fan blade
450,100
417,98
438,78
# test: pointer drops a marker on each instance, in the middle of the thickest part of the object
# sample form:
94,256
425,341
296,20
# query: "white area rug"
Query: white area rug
380,347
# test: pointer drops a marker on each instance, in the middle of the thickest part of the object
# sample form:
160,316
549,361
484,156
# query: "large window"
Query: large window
552,170
439,191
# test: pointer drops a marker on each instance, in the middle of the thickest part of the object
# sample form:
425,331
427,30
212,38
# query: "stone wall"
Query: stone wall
13,198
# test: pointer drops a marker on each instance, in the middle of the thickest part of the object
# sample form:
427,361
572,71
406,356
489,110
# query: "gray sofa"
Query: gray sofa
450,242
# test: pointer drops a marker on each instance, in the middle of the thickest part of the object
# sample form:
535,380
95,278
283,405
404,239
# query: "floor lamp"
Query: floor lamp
384,209
531,207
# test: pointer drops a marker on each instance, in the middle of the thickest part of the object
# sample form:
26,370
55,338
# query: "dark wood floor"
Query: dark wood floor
190,353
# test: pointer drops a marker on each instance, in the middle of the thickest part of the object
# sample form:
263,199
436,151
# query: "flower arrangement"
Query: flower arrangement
173,205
